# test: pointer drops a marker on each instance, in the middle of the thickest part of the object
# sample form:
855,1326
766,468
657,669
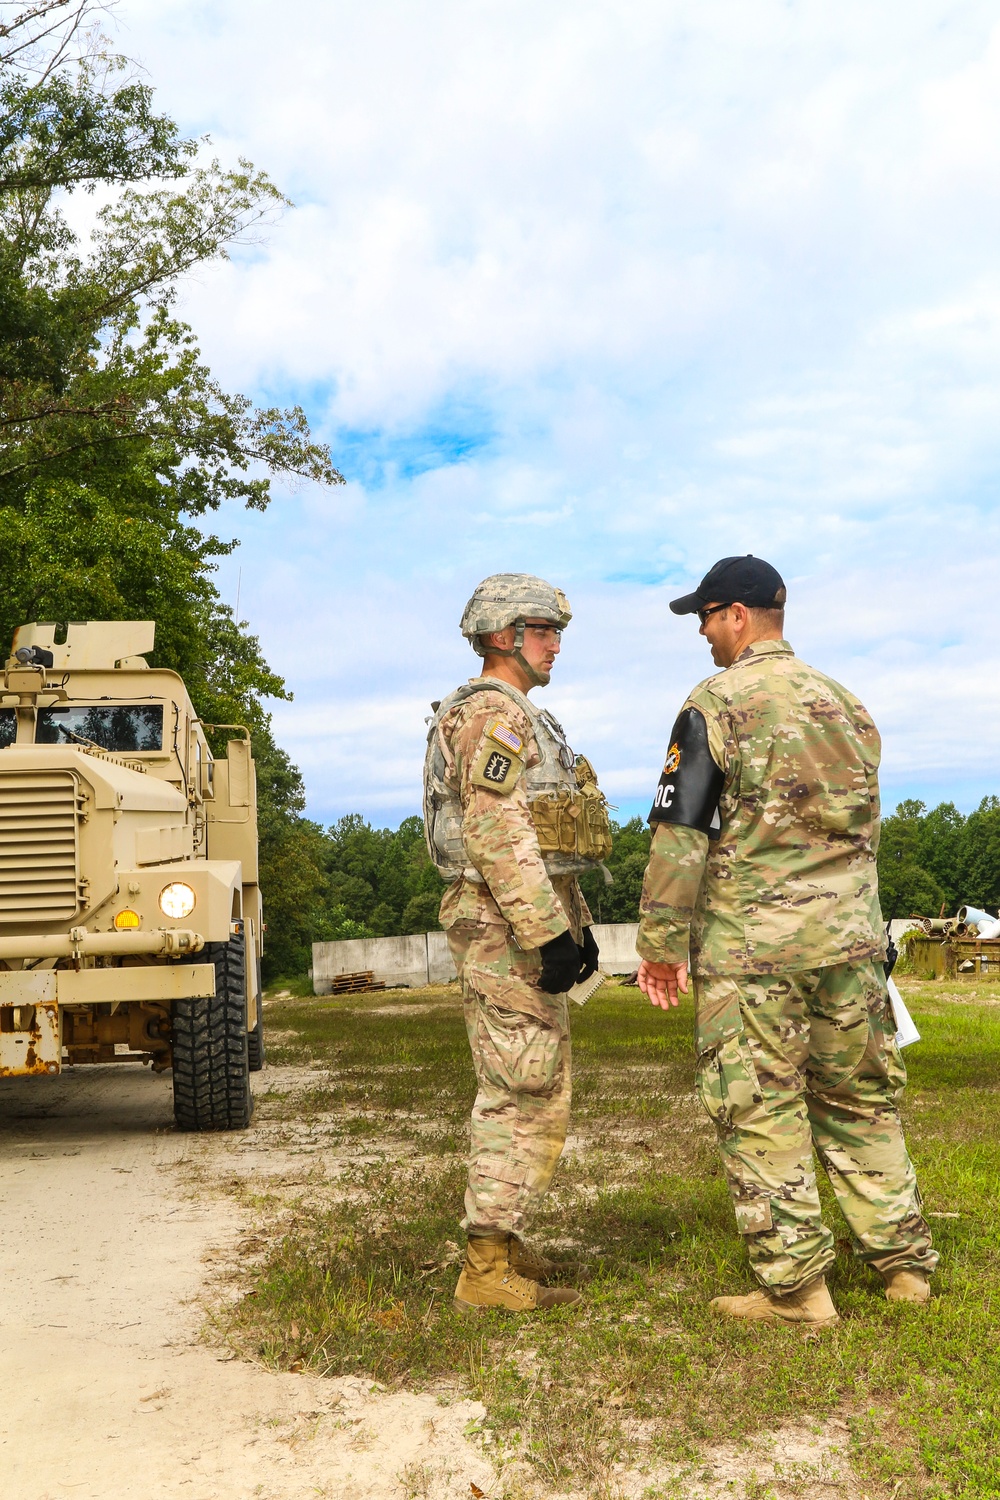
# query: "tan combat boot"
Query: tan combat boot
810,1306
907,1286
532,1263
488,1280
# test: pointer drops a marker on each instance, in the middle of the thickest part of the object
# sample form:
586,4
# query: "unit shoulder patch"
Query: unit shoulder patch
673,759
498,765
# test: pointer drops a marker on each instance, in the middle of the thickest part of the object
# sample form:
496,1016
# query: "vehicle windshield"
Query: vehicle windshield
8,727
113,726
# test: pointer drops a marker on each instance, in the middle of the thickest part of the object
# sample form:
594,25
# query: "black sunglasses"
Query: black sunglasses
713,609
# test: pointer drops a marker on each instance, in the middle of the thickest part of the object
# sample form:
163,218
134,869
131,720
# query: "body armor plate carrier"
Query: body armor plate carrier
568,808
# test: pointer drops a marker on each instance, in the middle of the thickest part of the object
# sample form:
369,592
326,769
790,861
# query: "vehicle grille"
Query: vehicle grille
38,846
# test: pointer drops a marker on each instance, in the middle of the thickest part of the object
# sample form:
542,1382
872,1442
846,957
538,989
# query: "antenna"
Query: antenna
239,585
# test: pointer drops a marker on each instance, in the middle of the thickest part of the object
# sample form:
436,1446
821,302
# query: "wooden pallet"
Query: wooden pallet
355,984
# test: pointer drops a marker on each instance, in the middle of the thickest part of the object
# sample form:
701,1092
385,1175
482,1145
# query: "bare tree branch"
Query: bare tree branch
41,36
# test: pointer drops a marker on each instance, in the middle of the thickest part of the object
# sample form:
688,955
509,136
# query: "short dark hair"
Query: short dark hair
772,616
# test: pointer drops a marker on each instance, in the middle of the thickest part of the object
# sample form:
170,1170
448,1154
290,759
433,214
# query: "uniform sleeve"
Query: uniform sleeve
677,862
669,892
497,827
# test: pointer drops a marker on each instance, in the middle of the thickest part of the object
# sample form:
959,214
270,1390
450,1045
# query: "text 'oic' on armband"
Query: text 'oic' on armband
691,783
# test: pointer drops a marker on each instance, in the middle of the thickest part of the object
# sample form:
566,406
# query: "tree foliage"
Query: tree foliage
351,880
929,859
116,442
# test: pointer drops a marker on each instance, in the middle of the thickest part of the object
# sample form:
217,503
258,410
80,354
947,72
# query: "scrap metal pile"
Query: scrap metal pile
969,921
966,945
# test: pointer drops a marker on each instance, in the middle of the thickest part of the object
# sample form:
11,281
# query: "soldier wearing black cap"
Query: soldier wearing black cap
762,876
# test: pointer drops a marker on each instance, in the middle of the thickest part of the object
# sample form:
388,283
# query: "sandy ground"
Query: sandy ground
106,1394
109,1231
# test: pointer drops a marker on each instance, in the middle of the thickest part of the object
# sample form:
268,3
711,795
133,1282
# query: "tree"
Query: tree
627,862
114,437
980,859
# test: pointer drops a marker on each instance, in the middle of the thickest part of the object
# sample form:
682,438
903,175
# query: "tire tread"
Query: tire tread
211,1061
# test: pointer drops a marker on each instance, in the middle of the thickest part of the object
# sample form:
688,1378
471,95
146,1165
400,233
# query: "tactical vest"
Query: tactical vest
568,808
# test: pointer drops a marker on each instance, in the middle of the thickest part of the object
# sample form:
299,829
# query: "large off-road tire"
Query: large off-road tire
211,1064
256,1050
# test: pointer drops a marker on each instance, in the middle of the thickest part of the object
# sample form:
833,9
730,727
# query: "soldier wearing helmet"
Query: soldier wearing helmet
513,818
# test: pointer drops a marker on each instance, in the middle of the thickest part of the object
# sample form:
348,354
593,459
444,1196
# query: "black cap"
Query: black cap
735,580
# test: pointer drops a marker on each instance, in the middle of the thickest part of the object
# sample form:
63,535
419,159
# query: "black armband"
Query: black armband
691,784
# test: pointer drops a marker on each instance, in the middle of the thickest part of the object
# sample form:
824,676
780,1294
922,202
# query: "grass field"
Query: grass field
358,1267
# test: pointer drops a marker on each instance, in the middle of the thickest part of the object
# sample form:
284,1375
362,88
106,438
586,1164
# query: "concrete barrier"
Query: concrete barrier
400,961
424,958
616,941
440,969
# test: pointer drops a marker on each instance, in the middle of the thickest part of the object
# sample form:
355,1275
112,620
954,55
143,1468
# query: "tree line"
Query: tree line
353,880
929,859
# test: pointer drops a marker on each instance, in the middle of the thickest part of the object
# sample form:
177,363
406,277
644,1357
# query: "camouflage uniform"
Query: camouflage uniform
497,914
778,913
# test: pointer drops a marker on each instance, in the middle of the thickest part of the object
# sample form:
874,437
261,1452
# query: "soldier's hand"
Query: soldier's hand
560,964
662,981
591,953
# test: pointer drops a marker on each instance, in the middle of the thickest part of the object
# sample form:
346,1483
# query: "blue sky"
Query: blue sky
605,292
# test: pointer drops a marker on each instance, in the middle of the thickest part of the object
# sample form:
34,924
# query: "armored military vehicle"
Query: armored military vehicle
130,913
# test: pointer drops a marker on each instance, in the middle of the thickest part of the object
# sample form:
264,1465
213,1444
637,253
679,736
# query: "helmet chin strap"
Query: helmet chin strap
534,676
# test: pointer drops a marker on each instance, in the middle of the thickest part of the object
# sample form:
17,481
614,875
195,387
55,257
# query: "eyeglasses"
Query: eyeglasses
552,631
713,609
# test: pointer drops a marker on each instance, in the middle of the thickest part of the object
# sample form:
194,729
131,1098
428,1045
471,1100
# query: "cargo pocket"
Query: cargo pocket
499,1169
847,1028
518,1051
726,1078
753,1215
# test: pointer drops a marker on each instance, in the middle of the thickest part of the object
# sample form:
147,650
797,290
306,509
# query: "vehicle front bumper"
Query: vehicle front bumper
32,1004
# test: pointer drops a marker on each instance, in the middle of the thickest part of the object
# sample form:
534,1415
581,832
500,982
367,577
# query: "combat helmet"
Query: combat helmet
510,599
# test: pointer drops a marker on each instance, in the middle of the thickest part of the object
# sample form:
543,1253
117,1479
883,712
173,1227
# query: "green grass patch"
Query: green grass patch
363,1282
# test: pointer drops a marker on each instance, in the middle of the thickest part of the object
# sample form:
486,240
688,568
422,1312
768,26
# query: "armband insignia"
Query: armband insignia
691,783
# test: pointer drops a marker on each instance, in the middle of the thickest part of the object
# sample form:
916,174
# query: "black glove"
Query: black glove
561,959
591,953
891,954
891,951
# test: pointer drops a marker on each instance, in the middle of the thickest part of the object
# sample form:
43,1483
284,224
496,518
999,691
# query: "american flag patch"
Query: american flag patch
504,736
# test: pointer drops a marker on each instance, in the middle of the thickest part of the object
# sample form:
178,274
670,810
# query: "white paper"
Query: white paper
581,993
906,1032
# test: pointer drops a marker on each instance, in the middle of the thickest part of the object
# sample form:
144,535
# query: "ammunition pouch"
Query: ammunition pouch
573,823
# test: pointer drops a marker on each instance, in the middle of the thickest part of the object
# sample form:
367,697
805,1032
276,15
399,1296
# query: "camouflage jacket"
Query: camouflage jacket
790,880
499,833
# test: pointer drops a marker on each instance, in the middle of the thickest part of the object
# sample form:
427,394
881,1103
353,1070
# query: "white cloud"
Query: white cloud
607,292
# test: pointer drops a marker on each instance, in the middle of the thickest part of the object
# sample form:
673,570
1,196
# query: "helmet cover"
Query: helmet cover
505,598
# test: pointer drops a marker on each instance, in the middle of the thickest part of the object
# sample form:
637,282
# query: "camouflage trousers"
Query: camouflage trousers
788,1062
519,1038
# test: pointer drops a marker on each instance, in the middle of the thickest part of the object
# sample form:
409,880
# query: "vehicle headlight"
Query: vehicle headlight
177,899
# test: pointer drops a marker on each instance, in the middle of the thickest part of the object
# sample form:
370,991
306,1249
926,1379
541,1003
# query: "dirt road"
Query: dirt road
104,1254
